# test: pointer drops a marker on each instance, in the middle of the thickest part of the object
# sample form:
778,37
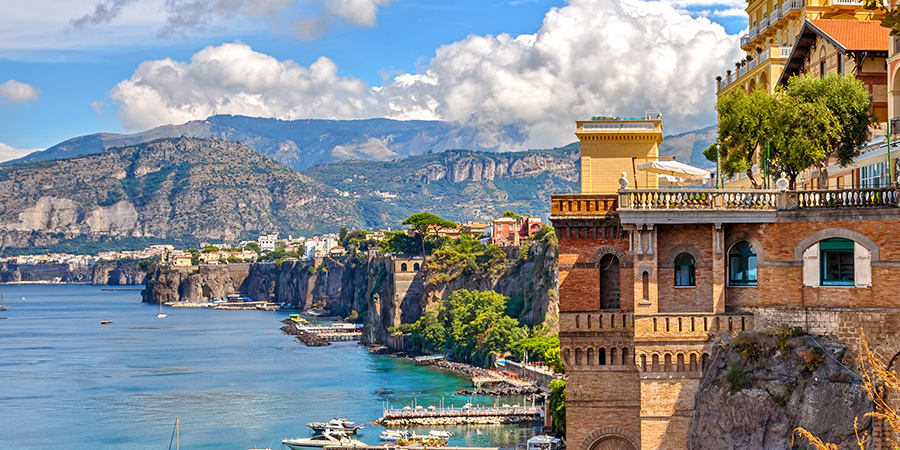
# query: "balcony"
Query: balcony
745,40
755,199
777,18
765,27
791,8
773,52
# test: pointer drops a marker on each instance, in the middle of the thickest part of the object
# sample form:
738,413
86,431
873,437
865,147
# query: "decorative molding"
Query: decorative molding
610,433
829,233
673,253
611,250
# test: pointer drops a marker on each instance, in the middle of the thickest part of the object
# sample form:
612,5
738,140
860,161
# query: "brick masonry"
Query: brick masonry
646,400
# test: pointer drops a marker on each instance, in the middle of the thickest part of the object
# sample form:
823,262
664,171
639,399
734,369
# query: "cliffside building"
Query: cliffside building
648,277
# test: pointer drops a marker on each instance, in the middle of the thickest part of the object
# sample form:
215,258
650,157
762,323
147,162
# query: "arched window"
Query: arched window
403,267
416,267
609,282
684,270
837,262
742,265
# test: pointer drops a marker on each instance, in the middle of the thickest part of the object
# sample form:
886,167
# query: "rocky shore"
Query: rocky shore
307,338
503,389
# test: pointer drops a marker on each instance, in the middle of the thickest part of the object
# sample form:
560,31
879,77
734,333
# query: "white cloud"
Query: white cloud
7,152
17,91
591,57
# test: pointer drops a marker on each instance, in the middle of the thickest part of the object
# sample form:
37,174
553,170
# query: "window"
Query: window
822,69
840,58
874,175
837,262
742,265
684,270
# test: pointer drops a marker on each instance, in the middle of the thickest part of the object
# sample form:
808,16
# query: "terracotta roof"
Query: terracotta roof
856,34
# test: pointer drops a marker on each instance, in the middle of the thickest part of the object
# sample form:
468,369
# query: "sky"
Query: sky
75,67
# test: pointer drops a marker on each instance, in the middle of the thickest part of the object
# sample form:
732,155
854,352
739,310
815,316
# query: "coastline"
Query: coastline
501,389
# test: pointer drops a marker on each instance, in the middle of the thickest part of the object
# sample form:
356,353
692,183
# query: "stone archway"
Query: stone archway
611,438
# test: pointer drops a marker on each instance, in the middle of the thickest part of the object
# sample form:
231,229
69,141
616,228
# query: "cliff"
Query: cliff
760,387
122,272
384,290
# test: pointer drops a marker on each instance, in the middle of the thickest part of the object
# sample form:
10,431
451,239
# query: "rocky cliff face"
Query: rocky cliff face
163,189
761,387
368,285
117,273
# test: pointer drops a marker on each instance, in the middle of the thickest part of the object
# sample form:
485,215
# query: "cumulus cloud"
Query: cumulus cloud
17,91
7,152
591,57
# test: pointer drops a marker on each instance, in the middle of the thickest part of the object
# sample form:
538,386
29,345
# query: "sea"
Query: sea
231,378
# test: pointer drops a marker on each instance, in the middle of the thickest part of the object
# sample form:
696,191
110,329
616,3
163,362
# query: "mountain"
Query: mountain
688,147
180,188
459,185
300,144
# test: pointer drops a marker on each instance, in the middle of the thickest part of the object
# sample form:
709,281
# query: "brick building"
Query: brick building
648,277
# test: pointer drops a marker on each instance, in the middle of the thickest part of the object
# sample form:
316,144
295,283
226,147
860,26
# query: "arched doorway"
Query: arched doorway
613,443
609,282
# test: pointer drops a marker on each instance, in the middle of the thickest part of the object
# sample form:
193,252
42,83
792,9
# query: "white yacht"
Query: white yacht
321,441
394,435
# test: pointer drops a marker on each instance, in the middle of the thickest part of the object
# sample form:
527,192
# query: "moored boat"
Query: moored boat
334,425
394,435
321,441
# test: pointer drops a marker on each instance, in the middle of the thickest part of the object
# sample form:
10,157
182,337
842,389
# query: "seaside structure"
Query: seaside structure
648,277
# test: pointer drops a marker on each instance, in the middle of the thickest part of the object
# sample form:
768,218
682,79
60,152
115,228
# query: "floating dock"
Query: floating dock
334,332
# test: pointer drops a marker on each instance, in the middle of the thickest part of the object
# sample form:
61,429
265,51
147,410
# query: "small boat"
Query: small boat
440,433
105,322
3,303
334,425
160,315
321,441
394,435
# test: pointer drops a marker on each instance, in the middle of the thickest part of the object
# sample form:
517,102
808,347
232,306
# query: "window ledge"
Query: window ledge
686,287
743,286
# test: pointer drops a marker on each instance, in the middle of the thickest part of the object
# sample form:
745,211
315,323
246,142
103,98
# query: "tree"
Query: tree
556,402
822,119
422,222
745,124
807,124
252,246
510,214
210,249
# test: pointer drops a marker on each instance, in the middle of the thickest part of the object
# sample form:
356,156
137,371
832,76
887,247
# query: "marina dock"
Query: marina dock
333,332
457,416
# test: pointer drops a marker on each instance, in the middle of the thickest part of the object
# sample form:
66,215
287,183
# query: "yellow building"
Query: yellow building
774,29
611,146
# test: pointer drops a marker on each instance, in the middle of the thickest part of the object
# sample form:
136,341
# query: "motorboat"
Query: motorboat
321,441
335,425
394,435
105,322
441,433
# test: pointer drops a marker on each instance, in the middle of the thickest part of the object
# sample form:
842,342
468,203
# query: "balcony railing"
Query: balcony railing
582,205
845,3
769,53
754,31
791,5
755,199
764,24
776,16
745,39
784,52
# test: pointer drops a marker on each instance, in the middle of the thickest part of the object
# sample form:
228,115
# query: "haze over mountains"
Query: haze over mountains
110,190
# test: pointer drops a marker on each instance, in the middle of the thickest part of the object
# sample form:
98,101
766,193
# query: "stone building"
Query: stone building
648,277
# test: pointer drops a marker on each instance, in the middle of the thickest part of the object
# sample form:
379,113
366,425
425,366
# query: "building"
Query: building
267,241
775,28
476,229
648,278
181,260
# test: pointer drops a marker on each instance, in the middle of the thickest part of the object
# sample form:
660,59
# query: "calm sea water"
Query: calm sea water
233,378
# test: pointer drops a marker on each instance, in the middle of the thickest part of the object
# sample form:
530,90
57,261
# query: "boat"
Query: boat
440,433
160,315
105,322
175,436
321,441
394,435
334,425
3,303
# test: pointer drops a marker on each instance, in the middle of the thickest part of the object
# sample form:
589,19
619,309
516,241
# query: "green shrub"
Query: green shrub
736,377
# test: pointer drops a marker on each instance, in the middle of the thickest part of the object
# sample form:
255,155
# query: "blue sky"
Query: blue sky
74,67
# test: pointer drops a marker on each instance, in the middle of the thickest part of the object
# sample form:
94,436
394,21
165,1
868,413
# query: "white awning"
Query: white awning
675,169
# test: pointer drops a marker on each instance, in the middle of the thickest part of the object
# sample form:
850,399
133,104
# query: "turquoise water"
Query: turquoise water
233,378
